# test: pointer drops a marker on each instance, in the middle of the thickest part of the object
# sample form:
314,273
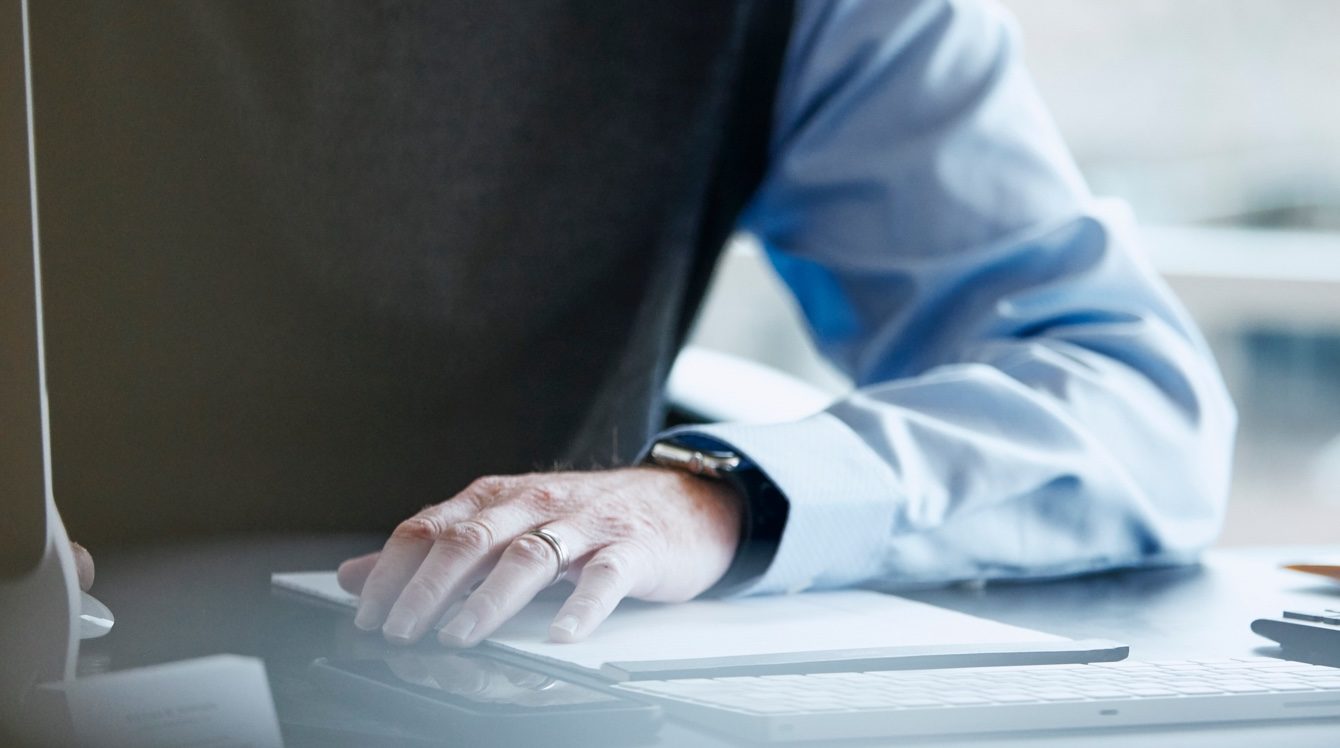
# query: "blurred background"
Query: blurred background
1218,122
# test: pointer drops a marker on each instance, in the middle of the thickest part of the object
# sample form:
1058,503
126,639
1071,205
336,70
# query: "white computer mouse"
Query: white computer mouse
95,619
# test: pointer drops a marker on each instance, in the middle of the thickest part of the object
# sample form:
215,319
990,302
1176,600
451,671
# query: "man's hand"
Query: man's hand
645,532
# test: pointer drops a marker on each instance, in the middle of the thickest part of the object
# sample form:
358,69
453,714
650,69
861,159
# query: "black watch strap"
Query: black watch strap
765,508
760,529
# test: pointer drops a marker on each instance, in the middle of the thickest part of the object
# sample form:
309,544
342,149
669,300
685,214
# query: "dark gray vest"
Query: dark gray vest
317,264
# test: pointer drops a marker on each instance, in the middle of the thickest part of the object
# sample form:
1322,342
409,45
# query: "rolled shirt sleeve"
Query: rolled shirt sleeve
1031,401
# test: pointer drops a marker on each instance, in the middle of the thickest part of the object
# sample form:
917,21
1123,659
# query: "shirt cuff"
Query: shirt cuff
841,498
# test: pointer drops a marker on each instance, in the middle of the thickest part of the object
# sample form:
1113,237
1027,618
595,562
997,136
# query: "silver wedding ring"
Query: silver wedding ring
560,551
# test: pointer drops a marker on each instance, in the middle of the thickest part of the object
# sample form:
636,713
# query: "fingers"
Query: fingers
604,519
83,565
459,557
405,551
526,567
606,579
354,572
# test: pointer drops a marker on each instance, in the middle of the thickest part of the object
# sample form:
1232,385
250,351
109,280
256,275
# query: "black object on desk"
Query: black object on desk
1310,636
477,700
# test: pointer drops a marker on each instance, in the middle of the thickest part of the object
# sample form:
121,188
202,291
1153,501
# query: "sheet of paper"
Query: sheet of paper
318,584
808,622
222,700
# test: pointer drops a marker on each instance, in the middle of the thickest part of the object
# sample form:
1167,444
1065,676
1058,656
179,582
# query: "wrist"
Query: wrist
719,503
762,506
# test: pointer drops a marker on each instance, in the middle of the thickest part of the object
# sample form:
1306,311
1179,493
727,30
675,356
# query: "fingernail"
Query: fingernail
369,616
566,624
400,625
460,627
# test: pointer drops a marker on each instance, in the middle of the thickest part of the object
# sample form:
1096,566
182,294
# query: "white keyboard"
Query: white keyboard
1000,699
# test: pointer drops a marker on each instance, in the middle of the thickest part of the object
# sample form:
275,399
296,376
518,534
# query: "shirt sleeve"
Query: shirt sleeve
1031,401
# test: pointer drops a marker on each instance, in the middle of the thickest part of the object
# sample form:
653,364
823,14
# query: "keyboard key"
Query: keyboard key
1279,666
1318,672
1291,685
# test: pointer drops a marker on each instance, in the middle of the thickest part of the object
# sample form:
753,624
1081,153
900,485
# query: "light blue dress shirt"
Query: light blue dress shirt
1031,400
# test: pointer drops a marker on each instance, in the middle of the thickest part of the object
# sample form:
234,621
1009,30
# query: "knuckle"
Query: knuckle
486,485
629,525
532,551
471,537
424,588
609,565
543,497
420,527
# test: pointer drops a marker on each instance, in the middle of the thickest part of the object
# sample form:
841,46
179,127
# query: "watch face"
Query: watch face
679,457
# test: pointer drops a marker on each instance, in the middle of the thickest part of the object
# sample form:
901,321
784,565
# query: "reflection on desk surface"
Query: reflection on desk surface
483,680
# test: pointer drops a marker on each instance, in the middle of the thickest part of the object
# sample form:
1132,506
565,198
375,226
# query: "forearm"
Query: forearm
1066,426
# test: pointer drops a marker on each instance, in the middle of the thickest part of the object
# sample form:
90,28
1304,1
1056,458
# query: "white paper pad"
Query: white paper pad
807,622
704,629
319,584
223,700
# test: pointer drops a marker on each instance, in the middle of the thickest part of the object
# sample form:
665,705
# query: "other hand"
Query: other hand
645,532
83,565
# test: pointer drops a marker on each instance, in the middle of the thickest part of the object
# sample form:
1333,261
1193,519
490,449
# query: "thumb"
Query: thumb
83,565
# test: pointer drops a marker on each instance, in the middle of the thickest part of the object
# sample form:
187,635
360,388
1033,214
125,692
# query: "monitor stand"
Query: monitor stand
39,640
39,592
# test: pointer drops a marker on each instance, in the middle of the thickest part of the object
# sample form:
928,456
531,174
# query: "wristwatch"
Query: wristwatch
765,508
711,464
